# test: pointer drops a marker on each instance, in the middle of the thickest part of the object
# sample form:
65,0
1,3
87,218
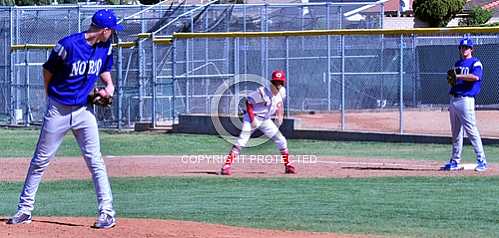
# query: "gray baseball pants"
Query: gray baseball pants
58,120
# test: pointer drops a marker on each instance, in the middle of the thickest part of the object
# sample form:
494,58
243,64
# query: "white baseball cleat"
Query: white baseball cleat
104,221
19,218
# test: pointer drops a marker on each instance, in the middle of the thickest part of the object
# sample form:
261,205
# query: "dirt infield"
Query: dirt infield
14,169
76,227
433,122
142,166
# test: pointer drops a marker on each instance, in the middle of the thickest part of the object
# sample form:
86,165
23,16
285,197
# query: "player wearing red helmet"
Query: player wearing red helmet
261,106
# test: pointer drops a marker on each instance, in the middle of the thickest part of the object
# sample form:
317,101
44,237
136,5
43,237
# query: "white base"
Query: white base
468,166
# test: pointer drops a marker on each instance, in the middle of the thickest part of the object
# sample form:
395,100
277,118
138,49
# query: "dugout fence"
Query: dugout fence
349,74
173,58
29,33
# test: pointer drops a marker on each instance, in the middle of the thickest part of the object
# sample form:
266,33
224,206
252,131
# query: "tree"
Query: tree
31,2
437,13
478,16
7,2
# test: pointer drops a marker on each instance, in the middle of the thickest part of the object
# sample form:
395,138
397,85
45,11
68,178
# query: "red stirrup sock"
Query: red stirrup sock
234,152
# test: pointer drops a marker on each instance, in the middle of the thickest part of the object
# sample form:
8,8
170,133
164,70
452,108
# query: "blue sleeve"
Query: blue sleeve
477,69
57,56
107,66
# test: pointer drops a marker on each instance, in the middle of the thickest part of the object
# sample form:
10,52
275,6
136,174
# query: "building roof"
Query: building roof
487,4
394,5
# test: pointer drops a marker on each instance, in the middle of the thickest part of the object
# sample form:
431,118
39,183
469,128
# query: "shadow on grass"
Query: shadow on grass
202,172
390,168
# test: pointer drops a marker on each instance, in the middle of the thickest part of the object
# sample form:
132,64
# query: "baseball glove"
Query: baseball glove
95,98
451,77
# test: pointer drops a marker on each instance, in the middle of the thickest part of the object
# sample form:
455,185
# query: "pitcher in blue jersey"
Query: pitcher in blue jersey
469,71
73,67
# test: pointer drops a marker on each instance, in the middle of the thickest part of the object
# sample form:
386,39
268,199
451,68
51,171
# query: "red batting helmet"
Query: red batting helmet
279,75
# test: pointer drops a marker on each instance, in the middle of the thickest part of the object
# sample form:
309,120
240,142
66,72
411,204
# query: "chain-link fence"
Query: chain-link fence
159,76
28,36
135,73
5,22
341,73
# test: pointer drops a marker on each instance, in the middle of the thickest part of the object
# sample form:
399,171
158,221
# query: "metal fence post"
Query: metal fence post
206,59
17,76
245,47
187,73
192,21
302,26
26,89
153,84
340,13
342,44
328,26
227,46
79,18
172,101
382,67
189,65
328,15
236,73
266,44
287,81
414,69
263,42
142,64
140,77
401,83
119,82
11,73
245,43
6,76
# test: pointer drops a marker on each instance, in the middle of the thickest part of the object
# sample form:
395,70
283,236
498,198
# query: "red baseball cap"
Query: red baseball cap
279,75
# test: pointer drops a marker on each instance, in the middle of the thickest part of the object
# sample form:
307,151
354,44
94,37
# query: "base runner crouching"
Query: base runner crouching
261,106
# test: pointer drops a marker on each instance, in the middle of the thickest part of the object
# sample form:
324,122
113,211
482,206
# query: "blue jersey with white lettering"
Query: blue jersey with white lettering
467,88
76,66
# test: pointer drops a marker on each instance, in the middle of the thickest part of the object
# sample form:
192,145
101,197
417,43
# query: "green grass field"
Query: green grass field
395,206
410,207
184,144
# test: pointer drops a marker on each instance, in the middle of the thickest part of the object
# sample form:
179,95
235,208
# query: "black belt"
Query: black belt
459,96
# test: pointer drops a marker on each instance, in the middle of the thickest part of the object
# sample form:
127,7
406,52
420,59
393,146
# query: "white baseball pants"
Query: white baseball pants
462,119
267,127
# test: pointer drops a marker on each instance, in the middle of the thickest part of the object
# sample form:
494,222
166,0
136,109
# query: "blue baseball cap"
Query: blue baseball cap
105,18
466,42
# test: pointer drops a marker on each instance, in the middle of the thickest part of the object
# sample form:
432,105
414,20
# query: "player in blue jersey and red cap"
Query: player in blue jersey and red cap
465,79
70,73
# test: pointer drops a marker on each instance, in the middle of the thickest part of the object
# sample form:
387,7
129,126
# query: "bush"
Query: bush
149,2
437,13
478,16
